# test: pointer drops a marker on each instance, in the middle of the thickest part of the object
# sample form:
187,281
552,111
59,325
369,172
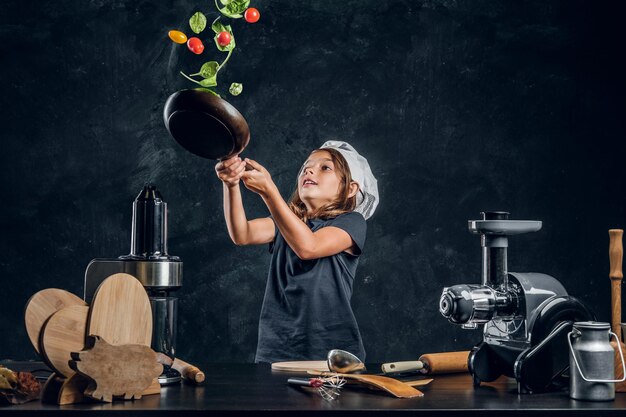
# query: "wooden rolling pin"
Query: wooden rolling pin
189,372
431,363
616,253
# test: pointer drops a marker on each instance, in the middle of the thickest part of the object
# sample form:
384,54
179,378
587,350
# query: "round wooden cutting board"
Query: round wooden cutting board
120,312
64,333
41,306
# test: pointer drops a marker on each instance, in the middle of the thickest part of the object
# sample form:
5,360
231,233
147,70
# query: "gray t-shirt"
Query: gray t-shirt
306,309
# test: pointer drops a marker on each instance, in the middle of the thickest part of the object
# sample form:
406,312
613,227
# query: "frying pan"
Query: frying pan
205,124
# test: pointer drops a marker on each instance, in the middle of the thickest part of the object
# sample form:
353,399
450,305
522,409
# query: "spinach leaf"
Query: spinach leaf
206,82
217,26
197,22
209,69
234,9
208,90
235,89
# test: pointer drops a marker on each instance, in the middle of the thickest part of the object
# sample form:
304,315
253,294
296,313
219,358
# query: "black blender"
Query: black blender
149,262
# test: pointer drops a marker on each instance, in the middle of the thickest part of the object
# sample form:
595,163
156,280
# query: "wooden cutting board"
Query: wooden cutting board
300,366
123,370
41,306
63,333
120,312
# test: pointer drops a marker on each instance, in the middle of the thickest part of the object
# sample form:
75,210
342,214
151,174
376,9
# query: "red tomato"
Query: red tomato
223,39
252,15
195,45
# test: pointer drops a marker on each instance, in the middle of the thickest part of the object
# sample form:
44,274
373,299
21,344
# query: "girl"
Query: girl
315,241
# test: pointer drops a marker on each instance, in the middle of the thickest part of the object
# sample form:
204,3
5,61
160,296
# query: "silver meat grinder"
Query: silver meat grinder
526,316
149,262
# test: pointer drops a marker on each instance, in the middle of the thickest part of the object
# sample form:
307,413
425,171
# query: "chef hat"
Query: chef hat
367,198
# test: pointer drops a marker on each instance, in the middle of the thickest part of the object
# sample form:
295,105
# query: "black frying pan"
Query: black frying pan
205,124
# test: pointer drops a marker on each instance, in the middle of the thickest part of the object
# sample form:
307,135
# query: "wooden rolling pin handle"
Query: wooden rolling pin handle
616,253
399,367
446,362
188,372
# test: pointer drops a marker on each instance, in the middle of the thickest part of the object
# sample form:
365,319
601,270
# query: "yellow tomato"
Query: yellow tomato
177,36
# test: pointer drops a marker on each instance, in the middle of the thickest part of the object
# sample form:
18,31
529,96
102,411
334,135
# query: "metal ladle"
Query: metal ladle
343,362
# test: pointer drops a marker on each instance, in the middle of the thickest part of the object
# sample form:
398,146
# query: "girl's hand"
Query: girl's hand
230,170
257,179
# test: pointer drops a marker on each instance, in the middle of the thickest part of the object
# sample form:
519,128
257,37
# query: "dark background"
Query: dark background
460,106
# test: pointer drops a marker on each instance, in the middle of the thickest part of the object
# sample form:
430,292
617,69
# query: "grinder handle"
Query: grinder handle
446,362
616,253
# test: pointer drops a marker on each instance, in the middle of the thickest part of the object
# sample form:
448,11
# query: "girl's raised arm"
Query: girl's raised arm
241,230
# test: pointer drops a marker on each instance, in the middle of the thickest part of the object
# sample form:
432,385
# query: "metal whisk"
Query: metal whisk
328,387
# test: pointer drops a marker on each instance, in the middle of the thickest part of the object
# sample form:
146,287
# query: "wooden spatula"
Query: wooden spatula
120,312
64,333
41,306
393,386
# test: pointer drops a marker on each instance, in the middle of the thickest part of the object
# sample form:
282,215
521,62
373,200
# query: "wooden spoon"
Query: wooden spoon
393,386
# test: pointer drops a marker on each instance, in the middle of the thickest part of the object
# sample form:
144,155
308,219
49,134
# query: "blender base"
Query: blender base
169,376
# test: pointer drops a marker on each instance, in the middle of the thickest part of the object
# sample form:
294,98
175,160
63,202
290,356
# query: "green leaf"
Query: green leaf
208,82
209,69
225,2
197,22
235,89
231,45
217,26
234,8
237,6
208,90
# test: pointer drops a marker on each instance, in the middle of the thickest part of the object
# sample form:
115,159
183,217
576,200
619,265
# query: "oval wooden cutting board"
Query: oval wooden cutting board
64,333
41,306
120,312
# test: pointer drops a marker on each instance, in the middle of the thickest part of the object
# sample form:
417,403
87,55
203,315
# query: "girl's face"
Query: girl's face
319,181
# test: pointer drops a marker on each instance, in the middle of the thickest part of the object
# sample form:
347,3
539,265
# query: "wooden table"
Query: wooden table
244,389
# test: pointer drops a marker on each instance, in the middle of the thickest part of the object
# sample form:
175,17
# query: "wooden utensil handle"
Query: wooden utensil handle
189,372
398,367
446,362
616,253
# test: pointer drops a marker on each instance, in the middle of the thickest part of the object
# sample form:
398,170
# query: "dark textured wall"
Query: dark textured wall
460,106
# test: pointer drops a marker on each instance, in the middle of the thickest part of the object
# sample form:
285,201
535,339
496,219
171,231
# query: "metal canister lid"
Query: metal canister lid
593,325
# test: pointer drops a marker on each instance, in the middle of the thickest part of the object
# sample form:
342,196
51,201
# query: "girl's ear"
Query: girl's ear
354,188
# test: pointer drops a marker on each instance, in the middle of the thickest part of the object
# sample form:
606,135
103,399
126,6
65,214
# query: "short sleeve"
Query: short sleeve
354,224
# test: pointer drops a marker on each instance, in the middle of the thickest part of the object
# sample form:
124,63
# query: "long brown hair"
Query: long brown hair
343,204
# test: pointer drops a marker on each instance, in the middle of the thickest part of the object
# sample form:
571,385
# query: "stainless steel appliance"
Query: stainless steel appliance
148,261
526,316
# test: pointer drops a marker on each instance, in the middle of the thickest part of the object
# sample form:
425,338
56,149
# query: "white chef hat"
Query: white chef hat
367,198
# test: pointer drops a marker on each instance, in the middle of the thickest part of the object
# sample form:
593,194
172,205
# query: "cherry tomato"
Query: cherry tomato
177,36
223,39
195,45
252,15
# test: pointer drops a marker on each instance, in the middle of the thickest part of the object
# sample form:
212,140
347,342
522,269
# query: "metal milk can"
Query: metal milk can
591,361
